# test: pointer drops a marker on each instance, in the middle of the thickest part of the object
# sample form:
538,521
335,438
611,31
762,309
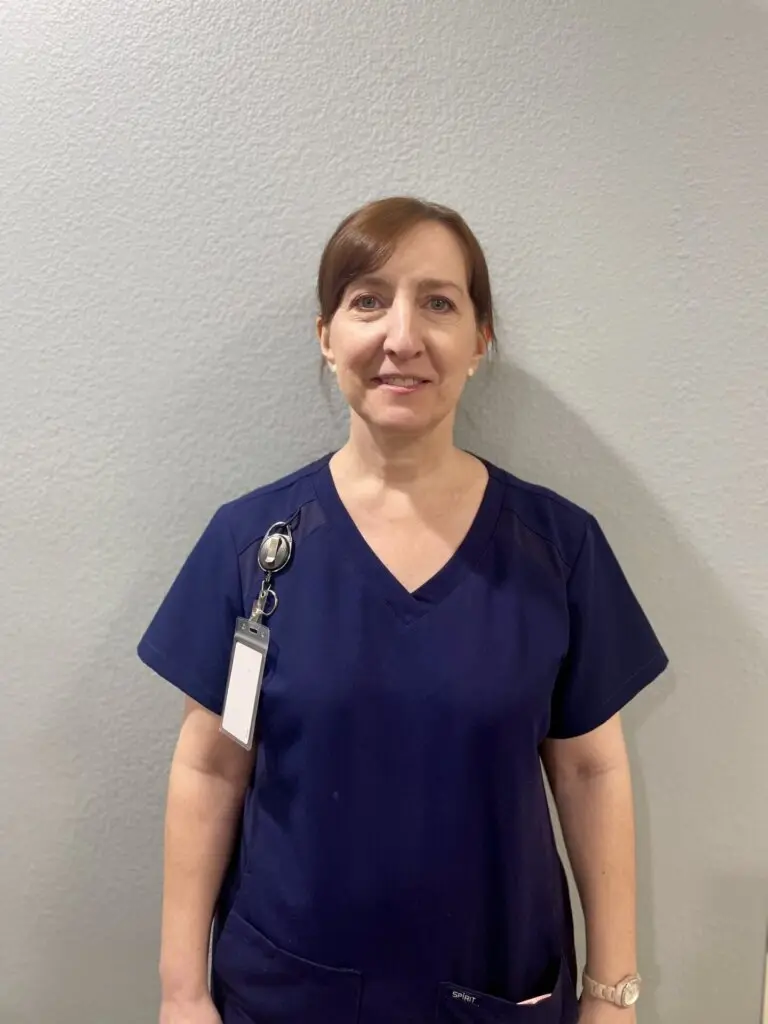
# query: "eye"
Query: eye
440,304
366,303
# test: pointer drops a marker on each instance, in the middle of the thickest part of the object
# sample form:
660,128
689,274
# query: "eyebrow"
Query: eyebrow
425,283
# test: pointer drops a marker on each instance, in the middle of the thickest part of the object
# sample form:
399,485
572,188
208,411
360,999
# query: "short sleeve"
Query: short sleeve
189,640
613,652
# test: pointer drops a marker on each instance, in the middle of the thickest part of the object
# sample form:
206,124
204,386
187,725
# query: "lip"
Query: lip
392,385
399,389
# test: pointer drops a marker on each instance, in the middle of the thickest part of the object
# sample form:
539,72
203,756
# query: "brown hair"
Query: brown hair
364,241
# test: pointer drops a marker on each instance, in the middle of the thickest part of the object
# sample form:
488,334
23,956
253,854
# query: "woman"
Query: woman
384,852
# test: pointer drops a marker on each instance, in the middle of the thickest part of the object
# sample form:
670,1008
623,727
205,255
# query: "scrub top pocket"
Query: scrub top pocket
457,1004
270,984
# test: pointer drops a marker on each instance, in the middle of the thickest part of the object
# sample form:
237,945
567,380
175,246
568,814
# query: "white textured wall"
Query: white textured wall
168,174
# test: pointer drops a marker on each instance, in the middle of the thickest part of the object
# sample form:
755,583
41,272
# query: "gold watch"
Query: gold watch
624,994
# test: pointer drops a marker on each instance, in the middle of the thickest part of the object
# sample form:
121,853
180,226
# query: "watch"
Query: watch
624,994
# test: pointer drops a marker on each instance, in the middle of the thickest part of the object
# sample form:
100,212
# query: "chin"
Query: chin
403,423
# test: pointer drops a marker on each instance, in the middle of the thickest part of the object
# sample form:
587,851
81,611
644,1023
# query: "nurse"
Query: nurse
382,851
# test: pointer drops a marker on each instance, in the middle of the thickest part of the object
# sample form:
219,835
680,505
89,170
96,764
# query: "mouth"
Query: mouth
400,383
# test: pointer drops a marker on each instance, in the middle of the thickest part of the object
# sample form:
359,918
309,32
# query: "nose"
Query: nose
404,339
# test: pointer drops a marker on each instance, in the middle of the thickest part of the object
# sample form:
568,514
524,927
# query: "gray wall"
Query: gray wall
168,174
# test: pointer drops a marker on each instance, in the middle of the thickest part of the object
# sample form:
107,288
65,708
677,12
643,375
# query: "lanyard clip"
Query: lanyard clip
275,553
262,608
276,548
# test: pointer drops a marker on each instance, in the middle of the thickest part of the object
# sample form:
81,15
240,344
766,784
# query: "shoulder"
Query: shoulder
551,517
249,516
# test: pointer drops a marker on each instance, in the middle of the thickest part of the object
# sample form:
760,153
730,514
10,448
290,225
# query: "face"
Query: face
404,339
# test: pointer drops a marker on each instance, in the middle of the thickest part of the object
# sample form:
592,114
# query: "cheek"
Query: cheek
451,390
353,374
360,357
354,370
354,350
452,368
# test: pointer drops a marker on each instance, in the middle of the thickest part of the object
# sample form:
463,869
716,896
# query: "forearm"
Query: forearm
596,814
201,820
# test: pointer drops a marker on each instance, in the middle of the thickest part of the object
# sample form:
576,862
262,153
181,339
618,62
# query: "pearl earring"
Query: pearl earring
471,371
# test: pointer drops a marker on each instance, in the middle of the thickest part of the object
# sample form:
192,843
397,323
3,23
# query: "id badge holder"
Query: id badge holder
251,643
246,674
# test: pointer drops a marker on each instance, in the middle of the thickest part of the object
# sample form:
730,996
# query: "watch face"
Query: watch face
631,993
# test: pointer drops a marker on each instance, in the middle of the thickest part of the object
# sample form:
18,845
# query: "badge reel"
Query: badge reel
251,642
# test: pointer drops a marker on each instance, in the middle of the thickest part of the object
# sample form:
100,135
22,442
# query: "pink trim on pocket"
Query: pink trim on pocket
536,999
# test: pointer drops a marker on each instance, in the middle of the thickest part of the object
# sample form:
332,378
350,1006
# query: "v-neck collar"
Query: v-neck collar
408,605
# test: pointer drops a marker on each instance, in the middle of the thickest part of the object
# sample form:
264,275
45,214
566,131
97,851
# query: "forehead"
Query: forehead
430,250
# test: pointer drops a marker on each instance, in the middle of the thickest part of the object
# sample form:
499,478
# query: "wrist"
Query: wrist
611,967
622,993
183,986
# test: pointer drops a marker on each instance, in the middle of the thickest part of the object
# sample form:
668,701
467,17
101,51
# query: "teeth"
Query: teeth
406,382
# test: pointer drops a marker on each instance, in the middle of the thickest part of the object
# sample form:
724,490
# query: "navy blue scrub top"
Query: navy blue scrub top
397,861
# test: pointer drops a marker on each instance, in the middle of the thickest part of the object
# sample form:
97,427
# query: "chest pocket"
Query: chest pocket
267,983
459,1005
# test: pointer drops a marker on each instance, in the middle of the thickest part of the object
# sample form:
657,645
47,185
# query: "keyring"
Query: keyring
266,609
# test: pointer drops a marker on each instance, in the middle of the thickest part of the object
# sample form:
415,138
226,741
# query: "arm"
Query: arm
208,779
590,780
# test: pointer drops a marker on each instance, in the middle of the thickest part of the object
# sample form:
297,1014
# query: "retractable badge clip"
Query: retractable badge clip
251,641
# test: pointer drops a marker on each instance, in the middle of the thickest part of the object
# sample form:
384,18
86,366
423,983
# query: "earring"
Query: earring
332,367
471,371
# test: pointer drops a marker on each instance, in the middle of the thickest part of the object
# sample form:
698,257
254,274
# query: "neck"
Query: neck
399,460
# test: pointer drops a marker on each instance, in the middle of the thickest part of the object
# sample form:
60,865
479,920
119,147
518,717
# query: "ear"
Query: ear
483,340
323,336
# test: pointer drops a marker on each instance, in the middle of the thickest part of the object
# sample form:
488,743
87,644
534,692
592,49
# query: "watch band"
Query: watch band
623,994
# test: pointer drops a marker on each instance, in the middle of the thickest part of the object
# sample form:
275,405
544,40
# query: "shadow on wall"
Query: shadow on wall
517,423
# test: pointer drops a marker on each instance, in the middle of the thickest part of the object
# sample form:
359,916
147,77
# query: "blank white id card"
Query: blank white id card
246,673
